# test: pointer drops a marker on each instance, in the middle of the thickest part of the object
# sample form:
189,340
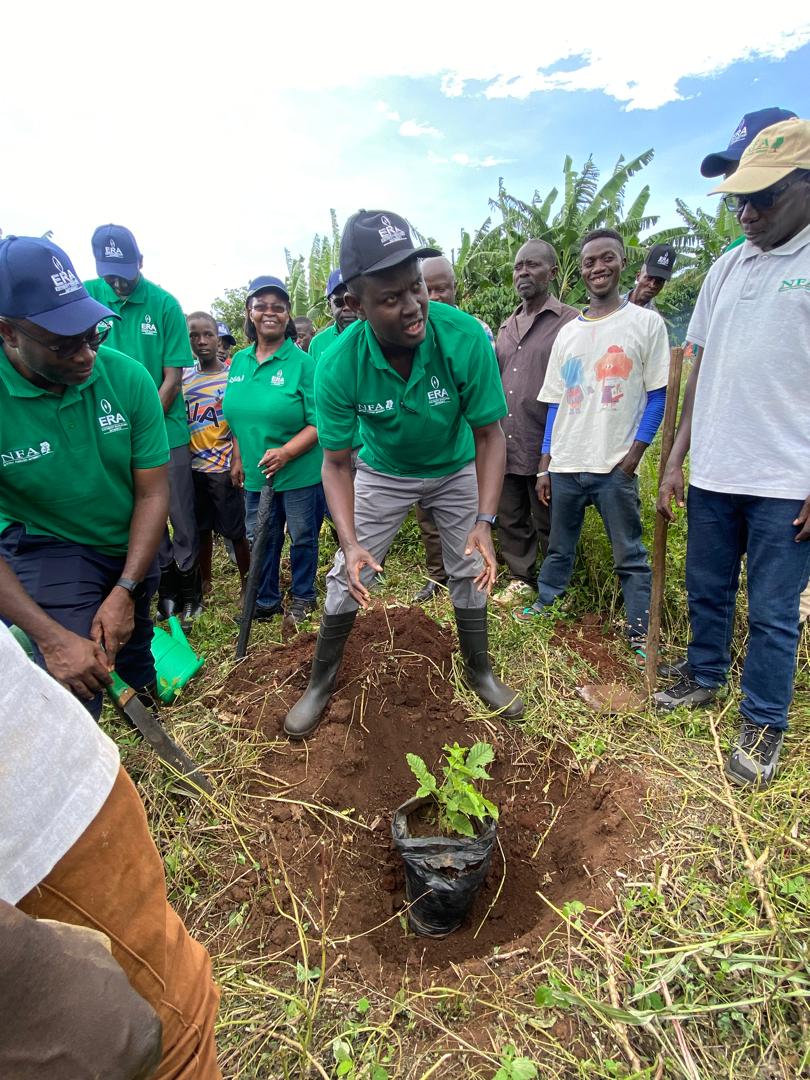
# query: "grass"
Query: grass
700,969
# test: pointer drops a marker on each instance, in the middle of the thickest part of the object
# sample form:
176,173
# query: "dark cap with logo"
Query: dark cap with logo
116,252
744,134
660,261
266,281
224,332
334,282
376,240
38,283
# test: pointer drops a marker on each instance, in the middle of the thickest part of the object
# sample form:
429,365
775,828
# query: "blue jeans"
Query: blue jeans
301,509
615,496
723,528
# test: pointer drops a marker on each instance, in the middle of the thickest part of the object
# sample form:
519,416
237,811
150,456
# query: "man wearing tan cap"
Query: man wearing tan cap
745,417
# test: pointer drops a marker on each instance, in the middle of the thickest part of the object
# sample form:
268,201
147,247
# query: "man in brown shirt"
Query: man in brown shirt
523,347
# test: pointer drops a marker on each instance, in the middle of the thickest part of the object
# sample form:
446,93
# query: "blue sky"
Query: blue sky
225,136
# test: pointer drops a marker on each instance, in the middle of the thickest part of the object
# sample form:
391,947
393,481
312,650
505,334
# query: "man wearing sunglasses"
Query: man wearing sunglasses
341,312
745,418
83,477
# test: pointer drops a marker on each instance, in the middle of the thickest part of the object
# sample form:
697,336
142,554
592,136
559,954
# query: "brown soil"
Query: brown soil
325,806
597,645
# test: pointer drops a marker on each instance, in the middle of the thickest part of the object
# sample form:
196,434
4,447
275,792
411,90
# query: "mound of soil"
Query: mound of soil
325,806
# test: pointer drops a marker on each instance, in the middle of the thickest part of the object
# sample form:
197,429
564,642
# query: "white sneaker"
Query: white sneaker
514,592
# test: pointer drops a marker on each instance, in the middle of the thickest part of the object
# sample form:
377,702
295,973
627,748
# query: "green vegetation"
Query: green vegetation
458,801
699,969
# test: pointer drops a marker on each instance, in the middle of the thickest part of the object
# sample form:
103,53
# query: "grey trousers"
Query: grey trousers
523,526
184,544
381,504
433,546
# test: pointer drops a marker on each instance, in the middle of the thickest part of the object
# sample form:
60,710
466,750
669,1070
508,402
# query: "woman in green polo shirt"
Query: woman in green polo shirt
269,404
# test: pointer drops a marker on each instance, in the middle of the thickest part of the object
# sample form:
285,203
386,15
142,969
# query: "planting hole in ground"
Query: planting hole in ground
324,807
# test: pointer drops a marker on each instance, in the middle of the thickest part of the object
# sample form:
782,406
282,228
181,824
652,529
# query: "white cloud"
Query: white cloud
468,161
413,129
387,112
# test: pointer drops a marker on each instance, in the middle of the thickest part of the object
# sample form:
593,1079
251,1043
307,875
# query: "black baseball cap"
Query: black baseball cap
376,240
744,134
660,261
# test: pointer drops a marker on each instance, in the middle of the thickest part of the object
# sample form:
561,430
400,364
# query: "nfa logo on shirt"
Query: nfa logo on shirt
112,250
148,327
390,234
278,378
375,407
111,421
30,453
64,281
438,395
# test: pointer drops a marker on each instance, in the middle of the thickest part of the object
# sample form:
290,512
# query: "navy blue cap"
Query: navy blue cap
224,332
267,281
334,281
116,252
744,134
38,283
376,240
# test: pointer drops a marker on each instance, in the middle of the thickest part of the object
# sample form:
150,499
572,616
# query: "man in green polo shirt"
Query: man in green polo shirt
423,384
342,314
83,485
151,328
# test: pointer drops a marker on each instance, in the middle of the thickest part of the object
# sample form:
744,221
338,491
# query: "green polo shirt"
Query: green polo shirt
422,427
267,404
323,340
66,460
152,329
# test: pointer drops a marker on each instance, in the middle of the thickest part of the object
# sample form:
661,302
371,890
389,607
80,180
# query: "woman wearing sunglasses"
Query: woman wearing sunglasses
270,406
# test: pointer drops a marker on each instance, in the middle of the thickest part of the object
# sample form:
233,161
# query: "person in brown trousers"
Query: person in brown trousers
523,347
75,848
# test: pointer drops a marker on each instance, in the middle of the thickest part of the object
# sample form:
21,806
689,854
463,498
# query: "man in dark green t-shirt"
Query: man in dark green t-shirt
342,314
83,484
151,328
422,383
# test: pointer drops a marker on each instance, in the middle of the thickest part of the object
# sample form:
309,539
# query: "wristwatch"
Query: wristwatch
490,519
134,588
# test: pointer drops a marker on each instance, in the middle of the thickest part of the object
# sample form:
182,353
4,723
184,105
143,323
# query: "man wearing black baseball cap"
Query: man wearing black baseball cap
653,275
151,328
422,383
84,491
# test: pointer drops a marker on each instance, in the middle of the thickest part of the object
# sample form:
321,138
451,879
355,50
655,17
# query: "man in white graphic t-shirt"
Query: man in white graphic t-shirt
605,388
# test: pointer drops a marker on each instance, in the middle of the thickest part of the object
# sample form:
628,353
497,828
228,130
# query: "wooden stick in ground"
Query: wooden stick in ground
659,560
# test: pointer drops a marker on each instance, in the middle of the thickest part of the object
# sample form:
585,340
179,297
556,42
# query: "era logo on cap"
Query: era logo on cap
148,327
390,234
663,260
740,134
112,250
64,281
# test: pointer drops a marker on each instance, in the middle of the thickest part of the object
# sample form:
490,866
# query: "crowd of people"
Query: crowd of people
119,415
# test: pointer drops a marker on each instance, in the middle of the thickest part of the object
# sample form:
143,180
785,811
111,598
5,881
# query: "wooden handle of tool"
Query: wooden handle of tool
659,560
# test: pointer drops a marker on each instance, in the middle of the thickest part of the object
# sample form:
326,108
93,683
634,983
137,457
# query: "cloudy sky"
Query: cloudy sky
222,134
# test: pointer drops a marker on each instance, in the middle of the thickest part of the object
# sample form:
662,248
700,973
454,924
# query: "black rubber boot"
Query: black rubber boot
305,715
190,596
168,599
474,645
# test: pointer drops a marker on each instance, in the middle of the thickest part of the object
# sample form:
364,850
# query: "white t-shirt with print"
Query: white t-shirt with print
599,372
751,419
58,767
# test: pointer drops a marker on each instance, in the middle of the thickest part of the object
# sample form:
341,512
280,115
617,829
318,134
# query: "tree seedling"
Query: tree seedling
458,802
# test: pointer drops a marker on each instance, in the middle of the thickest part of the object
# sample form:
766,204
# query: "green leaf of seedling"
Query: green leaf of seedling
363,1006
479,755
344,1068
427,781
342,1052
461,824
304,974
379,1073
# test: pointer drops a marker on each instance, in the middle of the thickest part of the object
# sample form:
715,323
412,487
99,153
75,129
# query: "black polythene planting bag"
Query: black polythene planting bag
442,873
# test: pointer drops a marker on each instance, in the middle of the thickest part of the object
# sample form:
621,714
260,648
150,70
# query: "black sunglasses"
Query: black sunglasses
69,346
758,200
